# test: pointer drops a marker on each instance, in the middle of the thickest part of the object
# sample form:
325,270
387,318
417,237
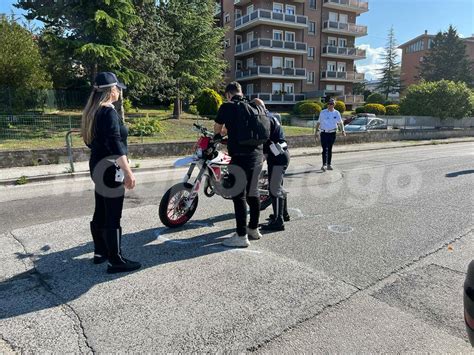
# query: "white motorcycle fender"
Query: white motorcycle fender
183,162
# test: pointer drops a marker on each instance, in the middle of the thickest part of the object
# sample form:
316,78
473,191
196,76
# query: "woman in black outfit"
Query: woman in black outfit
105,134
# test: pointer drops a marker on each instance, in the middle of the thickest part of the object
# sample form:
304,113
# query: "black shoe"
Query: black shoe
99,259
286,217
117,263
330,167
125,266
274,225
100,247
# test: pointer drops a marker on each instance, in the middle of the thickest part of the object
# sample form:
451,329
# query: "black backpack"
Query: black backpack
254,124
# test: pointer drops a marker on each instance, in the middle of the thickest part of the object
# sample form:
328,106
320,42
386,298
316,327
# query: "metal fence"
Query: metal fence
35,126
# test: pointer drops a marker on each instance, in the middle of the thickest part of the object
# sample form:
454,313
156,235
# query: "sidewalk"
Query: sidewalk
9,176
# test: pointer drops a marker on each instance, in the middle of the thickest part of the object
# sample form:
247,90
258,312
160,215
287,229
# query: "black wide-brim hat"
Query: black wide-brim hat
105,80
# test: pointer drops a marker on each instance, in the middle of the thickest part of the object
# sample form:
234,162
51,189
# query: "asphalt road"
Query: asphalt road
372,260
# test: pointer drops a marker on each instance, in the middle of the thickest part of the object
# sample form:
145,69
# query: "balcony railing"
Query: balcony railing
268,16
342,76
281,99
271,44
352,99
344,52
356,5
342,27
266,71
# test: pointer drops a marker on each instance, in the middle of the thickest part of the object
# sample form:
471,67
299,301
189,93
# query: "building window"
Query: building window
250,62
289,36
226,18
289,63
277,7
277,62
277,88
278,35
238,13
312,28
312,4
227,43
331,66
249,89
250,9
332,41
310,53
341,66
310,78
342,42
416,47
289,88
430,43
238,64
341,89
290,9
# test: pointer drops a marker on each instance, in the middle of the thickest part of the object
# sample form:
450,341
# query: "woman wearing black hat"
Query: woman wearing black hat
105,134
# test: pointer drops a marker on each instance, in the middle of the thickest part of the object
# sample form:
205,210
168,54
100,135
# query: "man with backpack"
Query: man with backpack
247,128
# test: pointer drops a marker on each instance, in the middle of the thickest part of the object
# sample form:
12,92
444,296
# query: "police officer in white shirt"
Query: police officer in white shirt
328,121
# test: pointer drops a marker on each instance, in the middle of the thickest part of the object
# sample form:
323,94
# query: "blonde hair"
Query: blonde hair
96,99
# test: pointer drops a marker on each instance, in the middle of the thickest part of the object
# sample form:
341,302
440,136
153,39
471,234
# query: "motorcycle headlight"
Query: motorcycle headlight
198,153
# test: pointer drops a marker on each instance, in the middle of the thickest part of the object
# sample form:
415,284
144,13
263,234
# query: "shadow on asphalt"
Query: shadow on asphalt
458,173
63,276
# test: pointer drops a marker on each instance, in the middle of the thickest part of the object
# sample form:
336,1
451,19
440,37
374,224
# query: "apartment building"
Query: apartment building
415,50
286,51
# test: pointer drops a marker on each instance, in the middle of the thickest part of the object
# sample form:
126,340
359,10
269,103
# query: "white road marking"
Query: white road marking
340,229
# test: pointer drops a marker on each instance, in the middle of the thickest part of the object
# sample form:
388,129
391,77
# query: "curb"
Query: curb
66,176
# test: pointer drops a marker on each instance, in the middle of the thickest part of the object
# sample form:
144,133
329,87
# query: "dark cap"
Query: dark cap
332,101
106,80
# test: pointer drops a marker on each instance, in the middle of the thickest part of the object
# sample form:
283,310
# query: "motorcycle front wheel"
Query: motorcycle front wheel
173,210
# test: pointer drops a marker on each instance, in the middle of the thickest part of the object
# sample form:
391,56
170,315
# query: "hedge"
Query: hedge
392,110
208,102
297,110
375,98
309,108
377,109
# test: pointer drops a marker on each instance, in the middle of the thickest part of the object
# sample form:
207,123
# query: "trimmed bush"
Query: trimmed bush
296,108
392,110
144,126
192,109
360,109
377,109
309,108
375,98
340,106
208,102
441,99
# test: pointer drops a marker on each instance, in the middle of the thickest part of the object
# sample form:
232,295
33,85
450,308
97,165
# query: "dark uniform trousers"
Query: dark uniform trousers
327,141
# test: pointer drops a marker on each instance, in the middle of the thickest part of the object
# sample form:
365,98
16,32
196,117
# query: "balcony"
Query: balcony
343,52
344,76
261,16
342,28
278,99
270,45
351,99
270,72
245,2
356,6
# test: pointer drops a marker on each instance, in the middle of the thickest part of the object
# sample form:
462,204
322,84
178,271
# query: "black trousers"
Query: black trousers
277,166
327,141
248,168
109,197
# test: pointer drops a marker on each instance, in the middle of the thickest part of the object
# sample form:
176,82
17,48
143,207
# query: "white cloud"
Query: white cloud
374,61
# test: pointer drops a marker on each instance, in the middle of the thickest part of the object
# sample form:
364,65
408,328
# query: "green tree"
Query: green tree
390,81
375,98
199,48
447,59
153,44
95,32
22,77
441,99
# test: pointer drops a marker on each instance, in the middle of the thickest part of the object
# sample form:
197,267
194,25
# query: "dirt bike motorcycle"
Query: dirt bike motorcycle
178,204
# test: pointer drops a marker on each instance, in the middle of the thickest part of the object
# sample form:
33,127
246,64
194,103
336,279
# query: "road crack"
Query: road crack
66,308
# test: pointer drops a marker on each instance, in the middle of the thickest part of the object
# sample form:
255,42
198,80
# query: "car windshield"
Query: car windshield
359,122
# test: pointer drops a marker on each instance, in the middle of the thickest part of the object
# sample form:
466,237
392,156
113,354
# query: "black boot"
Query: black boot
117,263
286,215
100,248
277,223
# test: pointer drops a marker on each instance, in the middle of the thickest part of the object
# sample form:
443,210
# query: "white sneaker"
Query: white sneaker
254,233
324,168
236,241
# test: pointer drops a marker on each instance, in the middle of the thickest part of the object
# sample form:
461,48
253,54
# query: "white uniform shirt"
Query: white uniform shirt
328,120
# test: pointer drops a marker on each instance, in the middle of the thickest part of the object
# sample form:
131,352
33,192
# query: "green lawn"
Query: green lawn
173,130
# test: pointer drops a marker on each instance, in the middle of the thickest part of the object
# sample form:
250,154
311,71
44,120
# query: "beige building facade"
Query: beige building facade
286,51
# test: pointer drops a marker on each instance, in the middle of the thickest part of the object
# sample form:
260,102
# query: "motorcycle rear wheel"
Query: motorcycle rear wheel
173,211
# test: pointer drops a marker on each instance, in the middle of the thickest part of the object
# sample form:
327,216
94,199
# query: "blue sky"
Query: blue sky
410,18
